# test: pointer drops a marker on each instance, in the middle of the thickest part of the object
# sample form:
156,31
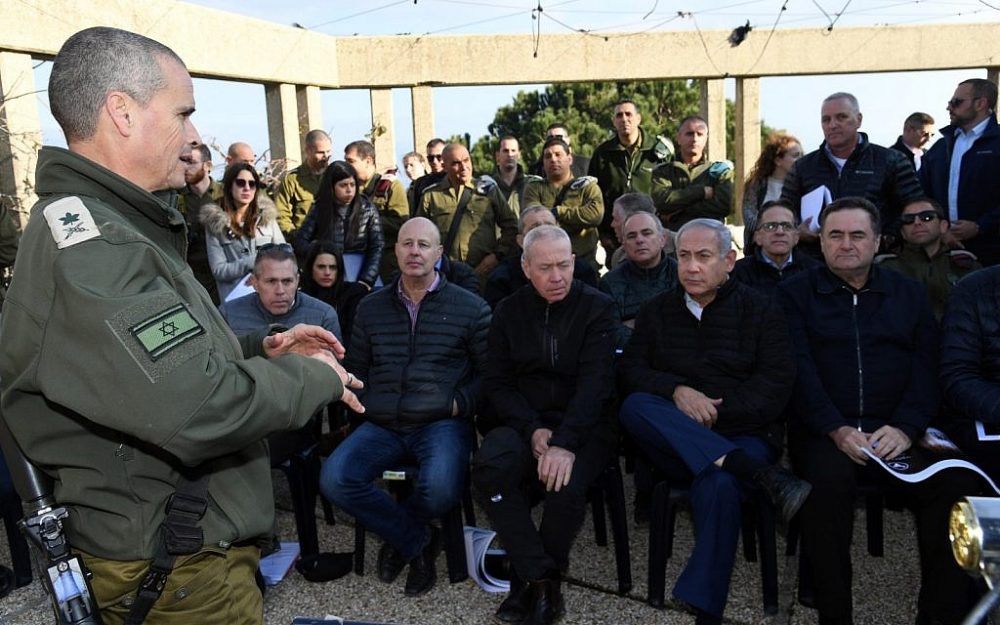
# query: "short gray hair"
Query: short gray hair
843,95
93,63
631,203
315,136
543,233
722,233
528,210
657,224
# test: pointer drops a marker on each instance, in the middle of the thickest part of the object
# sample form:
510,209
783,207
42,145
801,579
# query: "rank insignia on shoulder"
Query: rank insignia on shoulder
70,222
581,182
485,184
166,330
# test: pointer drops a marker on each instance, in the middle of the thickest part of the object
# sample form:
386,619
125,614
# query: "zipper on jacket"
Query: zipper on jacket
857,345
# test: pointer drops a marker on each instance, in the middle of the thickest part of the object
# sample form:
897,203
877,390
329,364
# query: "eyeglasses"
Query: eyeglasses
271,248
924,216
435,157
771,226
243,183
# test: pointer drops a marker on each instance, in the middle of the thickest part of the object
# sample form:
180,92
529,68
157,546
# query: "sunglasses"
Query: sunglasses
771,226
435,157
243,183
923,216
958,101
268,248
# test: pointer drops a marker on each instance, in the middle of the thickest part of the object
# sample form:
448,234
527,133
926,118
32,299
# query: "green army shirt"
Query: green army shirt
387,194
486,215
579,213
295,197
679,192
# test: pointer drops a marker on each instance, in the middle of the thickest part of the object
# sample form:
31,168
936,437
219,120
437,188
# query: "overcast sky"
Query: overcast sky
790,103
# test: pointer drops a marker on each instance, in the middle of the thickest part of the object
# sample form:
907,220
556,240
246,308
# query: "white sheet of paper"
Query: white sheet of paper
812,203
920,476
240,289
983,435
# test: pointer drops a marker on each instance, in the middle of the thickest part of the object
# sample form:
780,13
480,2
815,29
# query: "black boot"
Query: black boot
547,604
423,568
786,491
514,608
390,563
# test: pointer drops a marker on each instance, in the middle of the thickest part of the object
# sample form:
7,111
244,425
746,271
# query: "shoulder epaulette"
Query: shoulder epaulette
581,182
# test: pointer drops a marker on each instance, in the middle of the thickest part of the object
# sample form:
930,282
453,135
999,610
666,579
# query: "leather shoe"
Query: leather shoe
423,568
325,567
786,491
514,608
390,563
547,605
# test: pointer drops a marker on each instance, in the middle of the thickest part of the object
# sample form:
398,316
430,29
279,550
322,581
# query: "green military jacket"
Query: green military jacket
679,192
620,170
514,191
938,273
190,203
486,215
295,197
117,371
579,213
387,194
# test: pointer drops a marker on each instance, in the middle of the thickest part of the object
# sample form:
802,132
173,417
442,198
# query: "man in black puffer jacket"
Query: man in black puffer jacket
419,346
549,377
709,369
850,166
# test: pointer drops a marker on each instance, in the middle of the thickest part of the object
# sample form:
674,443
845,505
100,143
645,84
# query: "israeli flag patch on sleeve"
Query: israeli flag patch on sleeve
70,222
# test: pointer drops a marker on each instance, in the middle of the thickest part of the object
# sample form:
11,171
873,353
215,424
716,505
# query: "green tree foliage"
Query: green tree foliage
586,110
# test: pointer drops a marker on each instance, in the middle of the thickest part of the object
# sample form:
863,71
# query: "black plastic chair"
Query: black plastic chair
609,488
758,523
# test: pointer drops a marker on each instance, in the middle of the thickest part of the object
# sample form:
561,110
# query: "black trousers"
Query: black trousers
505,475
946,592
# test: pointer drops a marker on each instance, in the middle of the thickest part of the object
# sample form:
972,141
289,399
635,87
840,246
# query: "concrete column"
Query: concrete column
283,123
20,134
713,109
382,126
423,116
747,135
310,112
993,75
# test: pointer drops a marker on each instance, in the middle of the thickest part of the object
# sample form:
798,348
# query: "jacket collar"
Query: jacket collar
992,130
828,282
859,149
272,318
652,272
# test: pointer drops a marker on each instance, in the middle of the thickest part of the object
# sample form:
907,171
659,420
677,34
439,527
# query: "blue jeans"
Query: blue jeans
667,436
439,449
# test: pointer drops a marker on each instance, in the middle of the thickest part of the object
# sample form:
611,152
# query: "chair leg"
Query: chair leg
300,479
659,526
359,547
454,545
597,511
792,537
768,554
468,506
874,509
748,527
615,496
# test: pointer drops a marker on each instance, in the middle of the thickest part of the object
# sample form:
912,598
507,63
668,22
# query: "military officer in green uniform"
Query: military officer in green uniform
199,190
118,373
690,186
299,188
508,173
577,203
924,255
484,214
386,192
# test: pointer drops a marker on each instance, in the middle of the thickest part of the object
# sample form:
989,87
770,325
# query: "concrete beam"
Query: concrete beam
310,112
747,135
423,116
713,109
213,44
20,134
382,128
283,124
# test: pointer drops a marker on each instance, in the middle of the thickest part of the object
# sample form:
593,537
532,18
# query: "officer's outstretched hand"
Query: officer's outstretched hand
347,379
305,340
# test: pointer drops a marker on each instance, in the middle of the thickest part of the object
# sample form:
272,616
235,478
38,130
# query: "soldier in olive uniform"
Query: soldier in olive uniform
690,186
924,256
386,192
118,373
299,188
577,203
485,213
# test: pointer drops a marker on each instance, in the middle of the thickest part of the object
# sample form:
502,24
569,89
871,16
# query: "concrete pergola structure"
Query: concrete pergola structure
294,64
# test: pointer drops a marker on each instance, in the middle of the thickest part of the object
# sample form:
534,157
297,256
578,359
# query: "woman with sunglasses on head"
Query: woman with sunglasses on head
324,279
243,220
766,180
344,217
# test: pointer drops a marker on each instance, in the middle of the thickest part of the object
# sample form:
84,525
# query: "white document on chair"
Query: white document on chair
901,467
813,203
477,547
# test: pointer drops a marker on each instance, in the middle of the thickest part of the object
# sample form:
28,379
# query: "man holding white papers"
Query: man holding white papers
848,165
867,360
970,366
